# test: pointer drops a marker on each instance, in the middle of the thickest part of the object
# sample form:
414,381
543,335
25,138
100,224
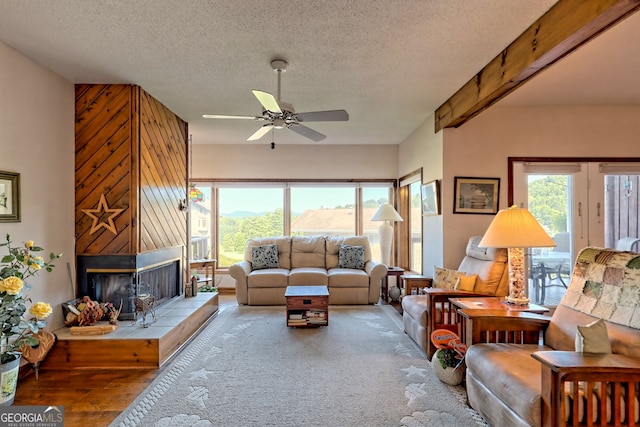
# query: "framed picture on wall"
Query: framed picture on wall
431,198
9,197
476,195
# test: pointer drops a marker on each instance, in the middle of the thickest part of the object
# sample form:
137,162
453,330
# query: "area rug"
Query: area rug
247,368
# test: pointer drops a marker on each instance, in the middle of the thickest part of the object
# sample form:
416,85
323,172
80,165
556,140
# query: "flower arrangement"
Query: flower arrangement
15,267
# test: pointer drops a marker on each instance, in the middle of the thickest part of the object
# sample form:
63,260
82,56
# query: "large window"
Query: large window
410,202
238,211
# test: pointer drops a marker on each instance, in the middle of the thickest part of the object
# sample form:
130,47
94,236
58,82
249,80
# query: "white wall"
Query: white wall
317,161
480,148
423,149
37,140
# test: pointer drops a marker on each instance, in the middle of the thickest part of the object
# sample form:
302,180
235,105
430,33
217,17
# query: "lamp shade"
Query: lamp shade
386,212
515,228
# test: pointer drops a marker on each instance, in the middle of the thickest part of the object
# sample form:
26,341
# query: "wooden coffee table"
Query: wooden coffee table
307,306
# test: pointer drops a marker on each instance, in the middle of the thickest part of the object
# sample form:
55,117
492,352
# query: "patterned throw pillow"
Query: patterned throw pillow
265,256
351,257
445,278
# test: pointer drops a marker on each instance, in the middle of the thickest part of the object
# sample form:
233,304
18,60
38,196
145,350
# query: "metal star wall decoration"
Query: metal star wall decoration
98,214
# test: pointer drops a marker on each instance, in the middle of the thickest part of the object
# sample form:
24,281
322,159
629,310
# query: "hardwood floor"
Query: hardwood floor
92,397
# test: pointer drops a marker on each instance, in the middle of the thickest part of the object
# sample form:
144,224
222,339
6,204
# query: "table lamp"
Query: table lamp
387,214
515,229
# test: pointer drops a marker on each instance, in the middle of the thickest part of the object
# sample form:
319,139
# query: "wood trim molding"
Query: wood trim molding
512,160
566,26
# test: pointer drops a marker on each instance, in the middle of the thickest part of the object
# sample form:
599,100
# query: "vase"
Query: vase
9,381
394,293
448,375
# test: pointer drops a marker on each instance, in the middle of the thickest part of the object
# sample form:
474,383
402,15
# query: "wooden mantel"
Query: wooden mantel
566,26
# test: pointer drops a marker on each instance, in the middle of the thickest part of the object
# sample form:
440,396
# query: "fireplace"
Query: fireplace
120,278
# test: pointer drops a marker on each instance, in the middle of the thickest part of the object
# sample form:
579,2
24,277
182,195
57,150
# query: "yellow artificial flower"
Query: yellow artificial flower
11,285
40,310
36,262
29,244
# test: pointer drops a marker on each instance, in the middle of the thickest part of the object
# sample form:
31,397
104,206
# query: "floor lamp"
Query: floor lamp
387,214
515,229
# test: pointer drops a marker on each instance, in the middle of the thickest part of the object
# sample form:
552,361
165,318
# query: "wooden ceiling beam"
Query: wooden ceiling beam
566,26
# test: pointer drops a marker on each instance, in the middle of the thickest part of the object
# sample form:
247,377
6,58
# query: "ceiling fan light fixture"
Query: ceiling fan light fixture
278,123
279,114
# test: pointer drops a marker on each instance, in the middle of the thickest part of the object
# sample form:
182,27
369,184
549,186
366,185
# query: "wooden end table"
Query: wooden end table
209,266
414,281
391,271
488,306
307,306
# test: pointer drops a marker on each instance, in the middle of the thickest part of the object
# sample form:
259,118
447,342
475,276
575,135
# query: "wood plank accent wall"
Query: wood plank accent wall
133,150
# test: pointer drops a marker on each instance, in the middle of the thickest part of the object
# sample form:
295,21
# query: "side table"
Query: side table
490,306
209,266
391,271
415,282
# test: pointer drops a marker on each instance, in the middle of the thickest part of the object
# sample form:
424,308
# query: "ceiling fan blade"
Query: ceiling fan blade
308,132
268,101
324,116
260,132
223,116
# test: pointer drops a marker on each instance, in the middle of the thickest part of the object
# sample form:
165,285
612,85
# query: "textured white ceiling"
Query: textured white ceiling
389,63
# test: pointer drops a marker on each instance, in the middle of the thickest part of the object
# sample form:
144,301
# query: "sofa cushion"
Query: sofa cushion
490,264
268,278
264,256
348,278
333,248
284,249
307,251
351,257
416,307
308,276
519,389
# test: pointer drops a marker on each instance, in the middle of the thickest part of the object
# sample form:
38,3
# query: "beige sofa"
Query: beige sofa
513,379
308,261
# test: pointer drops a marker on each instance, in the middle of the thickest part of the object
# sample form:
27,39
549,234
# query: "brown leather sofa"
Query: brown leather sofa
422,314
514,379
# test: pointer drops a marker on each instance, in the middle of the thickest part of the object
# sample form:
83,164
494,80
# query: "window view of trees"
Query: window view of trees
246,213
548,201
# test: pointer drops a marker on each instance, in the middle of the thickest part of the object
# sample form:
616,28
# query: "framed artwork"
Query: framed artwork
431,198
476,195
9,197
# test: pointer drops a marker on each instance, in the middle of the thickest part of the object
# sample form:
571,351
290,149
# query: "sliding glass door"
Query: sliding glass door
579,204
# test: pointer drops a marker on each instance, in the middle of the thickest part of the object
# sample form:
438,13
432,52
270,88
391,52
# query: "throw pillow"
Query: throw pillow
593,338
446,278
466,283
351,257
265,256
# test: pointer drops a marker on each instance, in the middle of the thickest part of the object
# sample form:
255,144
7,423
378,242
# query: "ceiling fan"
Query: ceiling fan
279,114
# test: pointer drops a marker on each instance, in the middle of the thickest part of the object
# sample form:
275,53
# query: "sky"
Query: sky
303,198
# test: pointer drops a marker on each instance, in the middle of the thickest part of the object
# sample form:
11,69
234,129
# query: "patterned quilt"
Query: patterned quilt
606,283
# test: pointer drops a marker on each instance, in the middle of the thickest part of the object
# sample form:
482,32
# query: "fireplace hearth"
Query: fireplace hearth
118,279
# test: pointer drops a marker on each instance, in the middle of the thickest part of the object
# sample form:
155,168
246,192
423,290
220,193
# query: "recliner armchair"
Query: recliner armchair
422,314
